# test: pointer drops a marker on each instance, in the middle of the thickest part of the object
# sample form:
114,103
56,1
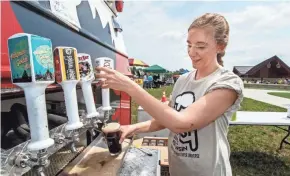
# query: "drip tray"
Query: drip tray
137,163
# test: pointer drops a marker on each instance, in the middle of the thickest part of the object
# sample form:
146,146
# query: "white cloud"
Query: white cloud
154,36
258,33
173,35
150,35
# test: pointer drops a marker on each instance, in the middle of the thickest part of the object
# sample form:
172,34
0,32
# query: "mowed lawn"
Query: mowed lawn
280,94
254,149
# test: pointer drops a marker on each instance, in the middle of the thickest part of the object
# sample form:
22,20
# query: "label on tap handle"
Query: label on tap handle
42,59
39,66
19,57
104,62
66,64
85,67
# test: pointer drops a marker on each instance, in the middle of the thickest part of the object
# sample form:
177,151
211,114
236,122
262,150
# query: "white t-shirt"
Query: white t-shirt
145,78
206,151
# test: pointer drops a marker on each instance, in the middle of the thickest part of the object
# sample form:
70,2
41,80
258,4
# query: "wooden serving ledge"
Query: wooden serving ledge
96,159
163,149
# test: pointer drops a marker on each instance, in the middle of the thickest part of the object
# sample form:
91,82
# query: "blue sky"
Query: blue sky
187,8
155,31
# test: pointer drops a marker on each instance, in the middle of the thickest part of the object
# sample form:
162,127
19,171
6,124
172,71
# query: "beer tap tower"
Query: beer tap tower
67,75
106,107
32,69
87,77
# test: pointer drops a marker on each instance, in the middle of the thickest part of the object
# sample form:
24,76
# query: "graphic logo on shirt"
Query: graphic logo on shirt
187,141
183,100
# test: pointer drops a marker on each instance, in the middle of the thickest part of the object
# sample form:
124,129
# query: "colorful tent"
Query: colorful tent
155,69
137,62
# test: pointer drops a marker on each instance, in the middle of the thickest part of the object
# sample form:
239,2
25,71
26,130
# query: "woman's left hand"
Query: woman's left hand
114,80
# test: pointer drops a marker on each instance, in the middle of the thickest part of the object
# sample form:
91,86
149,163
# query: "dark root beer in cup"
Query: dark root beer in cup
112,134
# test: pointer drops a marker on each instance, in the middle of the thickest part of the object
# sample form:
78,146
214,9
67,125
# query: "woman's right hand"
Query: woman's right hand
127,131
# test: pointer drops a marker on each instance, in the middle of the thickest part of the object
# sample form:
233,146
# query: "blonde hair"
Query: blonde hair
220,26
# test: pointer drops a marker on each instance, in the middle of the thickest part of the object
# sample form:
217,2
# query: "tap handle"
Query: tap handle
109,63
103,62
85,67
87,76
71,106
30,59
89,100
66,64
67,75
32,68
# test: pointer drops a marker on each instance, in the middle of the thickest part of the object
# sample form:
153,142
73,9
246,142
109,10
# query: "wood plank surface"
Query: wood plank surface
95,161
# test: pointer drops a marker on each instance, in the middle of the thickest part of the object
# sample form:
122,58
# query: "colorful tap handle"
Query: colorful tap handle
66,64
87,76
67,75
85,67
109,63
32,68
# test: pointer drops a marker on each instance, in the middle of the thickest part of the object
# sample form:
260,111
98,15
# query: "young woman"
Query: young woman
203,102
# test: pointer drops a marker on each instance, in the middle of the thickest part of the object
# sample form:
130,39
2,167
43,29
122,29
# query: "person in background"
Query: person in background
175,79
203,102
145,81
285,81
150,81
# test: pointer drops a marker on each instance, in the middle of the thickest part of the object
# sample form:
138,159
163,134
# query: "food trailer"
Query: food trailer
68,27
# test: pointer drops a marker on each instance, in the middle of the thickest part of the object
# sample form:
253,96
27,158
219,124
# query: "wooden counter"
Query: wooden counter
97,161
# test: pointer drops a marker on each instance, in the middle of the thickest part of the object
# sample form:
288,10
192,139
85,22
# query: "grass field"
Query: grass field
254,149
280,94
